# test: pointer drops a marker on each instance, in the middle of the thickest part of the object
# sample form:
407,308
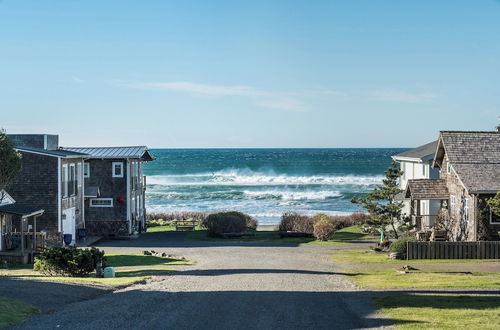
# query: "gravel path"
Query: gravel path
232,286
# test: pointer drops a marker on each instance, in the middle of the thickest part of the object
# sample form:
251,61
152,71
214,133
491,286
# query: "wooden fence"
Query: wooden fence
453,250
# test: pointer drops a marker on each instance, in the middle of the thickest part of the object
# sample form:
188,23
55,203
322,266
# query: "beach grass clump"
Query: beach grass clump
296,222
228,222
323,230
168,217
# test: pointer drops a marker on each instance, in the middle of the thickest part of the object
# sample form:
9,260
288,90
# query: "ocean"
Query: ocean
264,183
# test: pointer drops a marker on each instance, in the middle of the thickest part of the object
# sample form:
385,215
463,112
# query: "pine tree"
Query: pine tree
380,203
10,162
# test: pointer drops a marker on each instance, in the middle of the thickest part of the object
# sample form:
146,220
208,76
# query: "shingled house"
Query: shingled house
114,189
469,164
52,180
417,164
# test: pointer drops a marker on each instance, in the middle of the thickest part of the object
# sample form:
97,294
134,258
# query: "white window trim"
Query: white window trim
86,168
453,202
101,199
113,169
466,209
448,168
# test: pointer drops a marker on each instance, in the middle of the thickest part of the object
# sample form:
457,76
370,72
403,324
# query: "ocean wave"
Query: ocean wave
246,194
246,177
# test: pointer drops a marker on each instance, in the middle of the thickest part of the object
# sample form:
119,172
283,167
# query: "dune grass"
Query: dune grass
390,278
365,256
158,229
443,311
14,311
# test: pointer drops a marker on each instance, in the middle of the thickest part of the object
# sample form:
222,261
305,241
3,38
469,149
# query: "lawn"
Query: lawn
390,278
123,277
340,237
365,256
13,311
431,311
126,260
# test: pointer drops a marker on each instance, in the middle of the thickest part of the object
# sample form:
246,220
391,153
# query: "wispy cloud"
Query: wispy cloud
393,95
189,87
76,80
283,104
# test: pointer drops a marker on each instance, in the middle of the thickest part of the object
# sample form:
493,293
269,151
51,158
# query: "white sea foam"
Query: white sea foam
251,178
292,195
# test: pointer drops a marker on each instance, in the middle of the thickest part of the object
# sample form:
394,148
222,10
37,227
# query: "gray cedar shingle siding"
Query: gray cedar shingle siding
36,186
424,189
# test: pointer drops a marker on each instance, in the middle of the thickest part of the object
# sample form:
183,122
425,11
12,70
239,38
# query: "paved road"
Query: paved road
232,286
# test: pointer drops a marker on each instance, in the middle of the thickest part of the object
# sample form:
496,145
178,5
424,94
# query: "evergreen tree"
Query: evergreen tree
381,205
10,162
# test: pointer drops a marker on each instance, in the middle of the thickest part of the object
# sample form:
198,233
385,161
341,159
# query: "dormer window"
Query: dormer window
117,170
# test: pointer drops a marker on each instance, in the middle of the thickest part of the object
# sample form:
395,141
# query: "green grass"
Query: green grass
351,233
13,311
340,237
364,256
431,311
125,260
390,278
122,278
158,229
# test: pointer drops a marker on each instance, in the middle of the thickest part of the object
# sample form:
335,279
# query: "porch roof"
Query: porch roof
21,210
427,189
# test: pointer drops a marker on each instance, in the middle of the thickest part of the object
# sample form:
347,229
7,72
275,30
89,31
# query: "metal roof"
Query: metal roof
140,152
22,210
53,153
420,152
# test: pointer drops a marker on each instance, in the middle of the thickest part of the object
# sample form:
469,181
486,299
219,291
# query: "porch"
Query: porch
428,198
19,238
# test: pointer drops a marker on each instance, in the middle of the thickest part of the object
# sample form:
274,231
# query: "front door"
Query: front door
69,223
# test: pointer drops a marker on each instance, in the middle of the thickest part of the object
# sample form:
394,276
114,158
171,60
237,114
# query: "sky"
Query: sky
204,74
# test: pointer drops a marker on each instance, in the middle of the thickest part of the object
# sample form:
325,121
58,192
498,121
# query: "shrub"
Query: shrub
226,222
296,222
399,245
68,261
323,230
251,223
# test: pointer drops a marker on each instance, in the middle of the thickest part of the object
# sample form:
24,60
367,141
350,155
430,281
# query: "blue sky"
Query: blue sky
249,73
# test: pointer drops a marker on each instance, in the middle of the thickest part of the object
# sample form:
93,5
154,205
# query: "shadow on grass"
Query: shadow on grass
441,301
123,260
144,272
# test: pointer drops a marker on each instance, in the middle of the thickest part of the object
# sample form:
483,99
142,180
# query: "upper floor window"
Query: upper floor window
117,170
424,168
72,180
86,170
466,209
452,203
448,168
64,180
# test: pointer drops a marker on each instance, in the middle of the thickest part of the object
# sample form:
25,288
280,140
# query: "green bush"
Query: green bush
323,230
227,222
399,245
68,261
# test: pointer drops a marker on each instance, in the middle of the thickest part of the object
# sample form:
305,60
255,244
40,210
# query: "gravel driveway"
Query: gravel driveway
232,286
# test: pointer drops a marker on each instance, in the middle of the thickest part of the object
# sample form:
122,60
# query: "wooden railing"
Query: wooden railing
453,250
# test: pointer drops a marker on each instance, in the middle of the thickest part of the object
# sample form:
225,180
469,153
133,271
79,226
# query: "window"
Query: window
64,181
86,170
424,167
117,170
494,219
72,180
466,210
452,203
101,202
448,168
